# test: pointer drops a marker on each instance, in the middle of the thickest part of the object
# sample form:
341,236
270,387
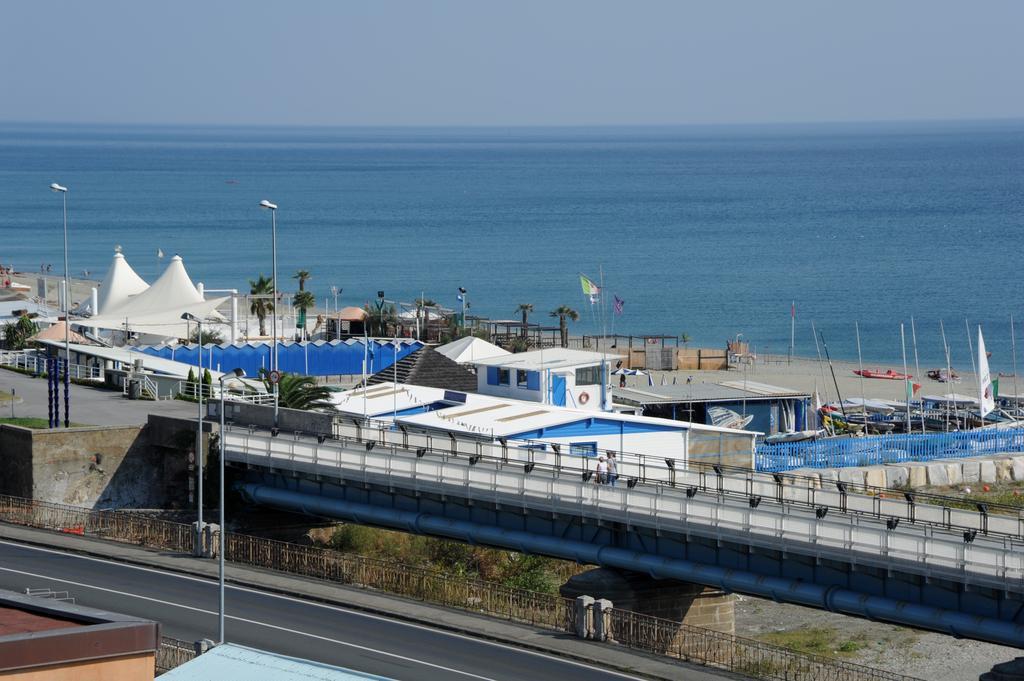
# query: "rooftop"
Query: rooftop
552,358
499,417
728,391
36,631
231,661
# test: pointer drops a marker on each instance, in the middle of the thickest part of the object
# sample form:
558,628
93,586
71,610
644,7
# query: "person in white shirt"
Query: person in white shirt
602,470
613,469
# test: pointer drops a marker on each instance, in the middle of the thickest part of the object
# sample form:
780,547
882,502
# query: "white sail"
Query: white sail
987,400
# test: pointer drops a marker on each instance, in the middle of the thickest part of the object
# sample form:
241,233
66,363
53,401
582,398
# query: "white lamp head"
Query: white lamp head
58,188
268,205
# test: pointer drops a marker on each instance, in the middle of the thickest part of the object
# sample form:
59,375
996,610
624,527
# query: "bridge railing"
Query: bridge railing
872,450
707,647
996,562
877,503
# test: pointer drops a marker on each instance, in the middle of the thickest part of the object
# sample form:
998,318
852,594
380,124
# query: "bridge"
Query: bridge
906,558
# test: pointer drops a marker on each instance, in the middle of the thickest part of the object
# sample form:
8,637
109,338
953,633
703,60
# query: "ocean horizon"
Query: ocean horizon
709,230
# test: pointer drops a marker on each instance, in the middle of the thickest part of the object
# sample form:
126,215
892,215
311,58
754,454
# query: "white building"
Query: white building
558,377
549,432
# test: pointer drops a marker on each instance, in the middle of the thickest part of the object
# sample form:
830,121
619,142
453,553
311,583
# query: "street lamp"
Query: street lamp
198,549
272,207
237,373
462,297
63,191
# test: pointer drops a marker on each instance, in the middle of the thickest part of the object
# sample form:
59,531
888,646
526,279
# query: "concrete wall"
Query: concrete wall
263,417
914,475
97,466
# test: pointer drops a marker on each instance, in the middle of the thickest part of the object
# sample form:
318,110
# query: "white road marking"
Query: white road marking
359,613
249,621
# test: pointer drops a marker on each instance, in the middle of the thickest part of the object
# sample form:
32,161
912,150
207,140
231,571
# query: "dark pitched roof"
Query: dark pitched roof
429,368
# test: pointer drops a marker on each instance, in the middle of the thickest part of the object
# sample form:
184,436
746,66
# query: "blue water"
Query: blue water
711,231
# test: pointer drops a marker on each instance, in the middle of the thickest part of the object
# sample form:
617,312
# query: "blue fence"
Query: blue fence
315,358
879,449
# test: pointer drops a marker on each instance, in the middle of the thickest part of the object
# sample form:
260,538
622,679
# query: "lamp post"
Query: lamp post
189,317
237,373
462,297
272,207
63,191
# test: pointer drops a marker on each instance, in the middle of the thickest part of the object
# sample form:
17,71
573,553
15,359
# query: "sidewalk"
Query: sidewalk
561,644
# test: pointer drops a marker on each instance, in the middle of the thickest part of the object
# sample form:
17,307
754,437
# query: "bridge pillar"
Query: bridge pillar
670,599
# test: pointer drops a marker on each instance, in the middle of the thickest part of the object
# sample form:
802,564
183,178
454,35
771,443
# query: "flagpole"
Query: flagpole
903,342
917,364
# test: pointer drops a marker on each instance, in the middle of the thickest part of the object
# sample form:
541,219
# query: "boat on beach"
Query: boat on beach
794,436
888,374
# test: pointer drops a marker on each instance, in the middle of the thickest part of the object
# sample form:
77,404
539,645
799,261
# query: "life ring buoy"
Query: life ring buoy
584,398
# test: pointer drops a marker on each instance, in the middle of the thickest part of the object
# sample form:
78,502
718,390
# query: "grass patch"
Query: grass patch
824,641
39,424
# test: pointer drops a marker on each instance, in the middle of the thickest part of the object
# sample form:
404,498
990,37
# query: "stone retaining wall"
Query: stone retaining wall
939,473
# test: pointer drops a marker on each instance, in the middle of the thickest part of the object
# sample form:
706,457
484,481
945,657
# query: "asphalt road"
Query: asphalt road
186,608
89,406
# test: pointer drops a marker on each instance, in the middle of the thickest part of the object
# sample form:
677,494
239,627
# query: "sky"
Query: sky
489,63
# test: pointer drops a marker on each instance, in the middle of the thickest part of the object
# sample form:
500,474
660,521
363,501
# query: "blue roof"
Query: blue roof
231,661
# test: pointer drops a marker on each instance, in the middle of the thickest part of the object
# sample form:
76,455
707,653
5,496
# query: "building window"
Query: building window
588,376
503,376
588,449
521,377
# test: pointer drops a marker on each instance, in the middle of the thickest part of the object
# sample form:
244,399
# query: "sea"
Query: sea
716,232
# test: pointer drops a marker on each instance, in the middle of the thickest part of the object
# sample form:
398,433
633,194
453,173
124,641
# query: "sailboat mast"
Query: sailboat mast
1013,351
949,368
860,363
833,370
821,367
917,364
906,381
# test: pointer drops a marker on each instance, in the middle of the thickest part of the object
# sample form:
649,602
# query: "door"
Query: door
558,390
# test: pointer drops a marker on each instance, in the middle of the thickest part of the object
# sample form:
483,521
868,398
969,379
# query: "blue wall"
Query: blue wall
318,358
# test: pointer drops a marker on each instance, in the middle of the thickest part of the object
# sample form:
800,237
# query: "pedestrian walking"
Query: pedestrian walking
613,469
602,471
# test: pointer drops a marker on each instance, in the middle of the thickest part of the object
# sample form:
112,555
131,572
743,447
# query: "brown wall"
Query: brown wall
709,359
128,668
97,466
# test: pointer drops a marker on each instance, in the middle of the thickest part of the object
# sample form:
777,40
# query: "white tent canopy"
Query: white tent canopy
470,349
119,285
158,309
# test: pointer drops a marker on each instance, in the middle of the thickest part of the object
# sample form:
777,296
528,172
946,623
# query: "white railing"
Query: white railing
30,360
985,560
191,390
149,389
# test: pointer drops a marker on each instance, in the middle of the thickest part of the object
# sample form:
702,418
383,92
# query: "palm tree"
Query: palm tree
425,304
564,312
298,392
17,333
302,276
261,307
685,338
525,309
303,300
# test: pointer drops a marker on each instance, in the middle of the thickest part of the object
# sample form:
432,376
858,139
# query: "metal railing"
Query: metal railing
881,449
33,362
685,642
741,655
944,512
190,390
173,653
989,553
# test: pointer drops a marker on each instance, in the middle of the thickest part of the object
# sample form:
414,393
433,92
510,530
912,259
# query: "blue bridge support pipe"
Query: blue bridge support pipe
832,598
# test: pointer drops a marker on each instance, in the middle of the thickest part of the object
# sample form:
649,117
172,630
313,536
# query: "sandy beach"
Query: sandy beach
808,375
